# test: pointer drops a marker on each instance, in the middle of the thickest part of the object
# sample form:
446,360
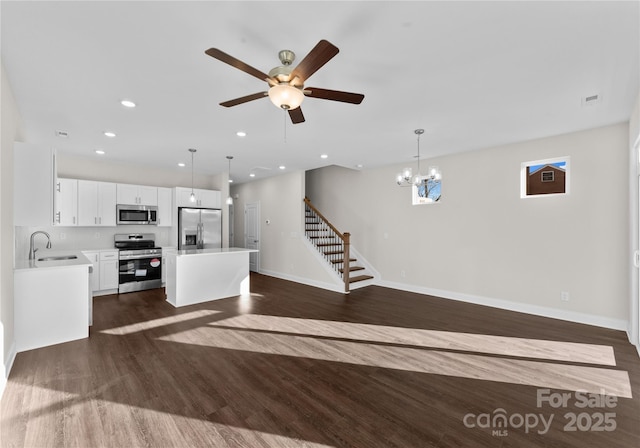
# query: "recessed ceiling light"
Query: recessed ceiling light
359,165
109,134
181,165
230,181
324,156
99,151
128,103
252,174
282,167
241,134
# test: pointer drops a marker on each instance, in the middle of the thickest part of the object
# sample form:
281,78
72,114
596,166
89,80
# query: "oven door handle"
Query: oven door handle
139,257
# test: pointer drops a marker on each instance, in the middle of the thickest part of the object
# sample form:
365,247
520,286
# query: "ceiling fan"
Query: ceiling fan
286,84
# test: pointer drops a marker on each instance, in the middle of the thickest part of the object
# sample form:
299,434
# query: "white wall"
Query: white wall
98,168
485,244
10,131
283,252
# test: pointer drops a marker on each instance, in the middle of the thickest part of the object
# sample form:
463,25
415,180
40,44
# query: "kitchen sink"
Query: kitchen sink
58,258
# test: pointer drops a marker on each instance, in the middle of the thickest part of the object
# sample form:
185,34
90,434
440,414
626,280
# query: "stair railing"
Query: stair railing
330,242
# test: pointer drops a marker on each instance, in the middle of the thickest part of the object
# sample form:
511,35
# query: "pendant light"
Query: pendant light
406,179
192,197
229,198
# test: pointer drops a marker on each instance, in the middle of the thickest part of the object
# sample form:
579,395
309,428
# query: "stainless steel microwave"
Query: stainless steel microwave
136,214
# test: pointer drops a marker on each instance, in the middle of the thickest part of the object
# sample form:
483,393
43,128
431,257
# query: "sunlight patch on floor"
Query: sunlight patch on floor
481,343
462,365
156,323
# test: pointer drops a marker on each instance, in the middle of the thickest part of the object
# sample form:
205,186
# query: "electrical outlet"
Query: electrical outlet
96,235
403,274
63,236
564,296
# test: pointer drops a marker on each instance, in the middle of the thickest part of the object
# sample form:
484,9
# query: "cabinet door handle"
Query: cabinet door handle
74,219
95,220
58,217
58,187
100,220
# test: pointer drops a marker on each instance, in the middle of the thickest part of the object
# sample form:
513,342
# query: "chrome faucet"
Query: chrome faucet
32,251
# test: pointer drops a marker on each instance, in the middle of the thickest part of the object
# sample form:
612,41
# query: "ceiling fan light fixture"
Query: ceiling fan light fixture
286,96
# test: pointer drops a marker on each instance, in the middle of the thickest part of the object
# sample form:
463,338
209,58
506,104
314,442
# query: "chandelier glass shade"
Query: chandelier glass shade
286,96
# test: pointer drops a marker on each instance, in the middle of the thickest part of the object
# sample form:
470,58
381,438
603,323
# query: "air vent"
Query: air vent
591,100
62,134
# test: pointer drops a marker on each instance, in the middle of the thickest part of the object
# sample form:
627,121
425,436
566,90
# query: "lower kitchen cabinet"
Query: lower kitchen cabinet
94,258
108,269
105,270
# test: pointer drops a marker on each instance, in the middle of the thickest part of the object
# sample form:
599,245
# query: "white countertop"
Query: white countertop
218,251
80,260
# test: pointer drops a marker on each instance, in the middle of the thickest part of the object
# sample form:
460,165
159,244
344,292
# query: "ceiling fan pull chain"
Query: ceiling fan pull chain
284,114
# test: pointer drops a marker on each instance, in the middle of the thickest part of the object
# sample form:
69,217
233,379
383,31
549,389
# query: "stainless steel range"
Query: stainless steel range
140,262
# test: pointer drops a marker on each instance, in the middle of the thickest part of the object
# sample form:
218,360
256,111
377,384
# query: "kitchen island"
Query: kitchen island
53,301
200,275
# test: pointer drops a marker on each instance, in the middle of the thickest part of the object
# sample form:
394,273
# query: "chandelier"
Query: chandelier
406,177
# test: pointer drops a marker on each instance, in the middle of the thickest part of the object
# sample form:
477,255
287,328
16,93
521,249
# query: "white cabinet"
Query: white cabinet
203,198
96,203
164,262
33,178
105,269
137,194
94,258
108,269
66,202
165,209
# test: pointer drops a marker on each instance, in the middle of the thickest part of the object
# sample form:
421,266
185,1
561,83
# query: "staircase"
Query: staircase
334,246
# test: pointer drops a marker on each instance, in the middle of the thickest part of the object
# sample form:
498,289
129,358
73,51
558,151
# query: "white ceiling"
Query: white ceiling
472,74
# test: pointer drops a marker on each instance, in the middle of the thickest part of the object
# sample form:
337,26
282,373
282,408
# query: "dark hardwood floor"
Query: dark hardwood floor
296,366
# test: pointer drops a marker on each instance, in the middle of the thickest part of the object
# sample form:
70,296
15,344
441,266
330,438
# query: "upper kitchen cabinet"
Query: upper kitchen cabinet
34,173
165,210
66,203
137,195
96,203
204,198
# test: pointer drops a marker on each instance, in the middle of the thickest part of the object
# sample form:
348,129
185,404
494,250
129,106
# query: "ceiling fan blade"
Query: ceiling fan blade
296,115
237,63
244,99
317,57
334,95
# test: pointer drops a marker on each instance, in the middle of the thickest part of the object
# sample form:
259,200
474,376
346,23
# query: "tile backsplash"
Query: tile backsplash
83,238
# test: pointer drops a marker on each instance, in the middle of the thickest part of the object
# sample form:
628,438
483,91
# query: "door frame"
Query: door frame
633,330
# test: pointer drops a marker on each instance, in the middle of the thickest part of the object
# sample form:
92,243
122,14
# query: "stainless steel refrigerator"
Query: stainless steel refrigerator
199,228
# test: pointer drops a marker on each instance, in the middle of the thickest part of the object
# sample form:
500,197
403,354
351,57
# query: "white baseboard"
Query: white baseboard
6,368
571,316
305,281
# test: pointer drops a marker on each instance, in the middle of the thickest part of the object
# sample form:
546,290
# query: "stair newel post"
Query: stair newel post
346,271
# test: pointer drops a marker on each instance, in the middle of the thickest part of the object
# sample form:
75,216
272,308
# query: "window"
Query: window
548,177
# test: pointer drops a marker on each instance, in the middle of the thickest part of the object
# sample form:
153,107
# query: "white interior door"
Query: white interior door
252,233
